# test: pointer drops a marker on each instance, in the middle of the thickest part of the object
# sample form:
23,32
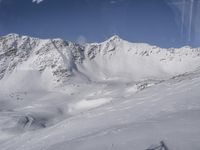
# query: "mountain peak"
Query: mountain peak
114,37
12,35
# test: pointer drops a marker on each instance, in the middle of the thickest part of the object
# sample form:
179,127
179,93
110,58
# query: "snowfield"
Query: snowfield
114,95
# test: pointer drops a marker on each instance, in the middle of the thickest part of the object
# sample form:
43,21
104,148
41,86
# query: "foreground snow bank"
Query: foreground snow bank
88,104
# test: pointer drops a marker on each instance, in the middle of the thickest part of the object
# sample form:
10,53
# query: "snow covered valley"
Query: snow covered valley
114,95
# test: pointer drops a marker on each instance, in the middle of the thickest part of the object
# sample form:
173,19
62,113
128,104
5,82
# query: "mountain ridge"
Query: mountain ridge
107,39
114,58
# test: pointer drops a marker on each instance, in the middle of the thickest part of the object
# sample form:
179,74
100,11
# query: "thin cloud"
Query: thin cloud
81,40
37,1
115,1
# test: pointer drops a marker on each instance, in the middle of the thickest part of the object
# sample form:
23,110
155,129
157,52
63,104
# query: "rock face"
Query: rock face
58,60
27,53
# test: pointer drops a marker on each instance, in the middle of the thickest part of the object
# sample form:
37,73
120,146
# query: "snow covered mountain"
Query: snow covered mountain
57,59
55,94
27,56
116,58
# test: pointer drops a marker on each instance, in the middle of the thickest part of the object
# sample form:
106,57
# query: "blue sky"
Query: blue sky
151,21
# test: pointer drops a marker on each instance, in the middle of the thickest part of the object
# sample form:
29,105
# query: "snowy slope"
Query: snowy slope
116,58
113,95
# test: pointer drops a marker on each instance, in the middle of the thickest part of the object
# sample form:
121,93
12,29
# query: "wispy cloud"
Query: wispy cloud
81,40
115,1
36,1
187,12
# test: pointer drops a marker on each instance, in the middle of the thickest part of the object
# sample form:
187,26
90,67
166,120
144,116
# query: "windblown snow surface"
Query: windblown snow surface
114,95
